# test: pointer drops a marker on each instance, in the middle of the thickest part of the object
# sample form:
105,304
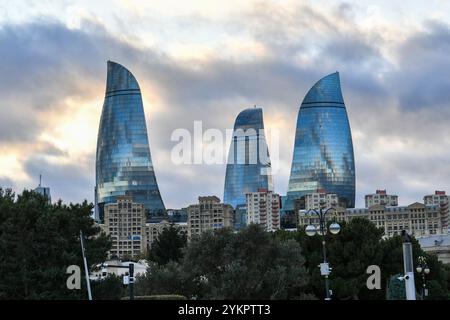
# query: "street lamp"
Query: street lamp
423,270
311,230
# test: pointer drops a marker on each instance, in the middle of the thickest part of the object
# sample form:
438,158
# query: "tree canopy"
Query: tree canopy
359,245
250,264
38,241
168,246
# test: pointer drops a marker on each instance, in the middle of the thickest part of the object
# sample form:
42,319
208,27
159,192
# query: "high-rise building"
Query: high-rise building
323,151
437,198
208,214
248,167
382,198
123,163
263,208
316,200
441,199
45,191
240,217
124,222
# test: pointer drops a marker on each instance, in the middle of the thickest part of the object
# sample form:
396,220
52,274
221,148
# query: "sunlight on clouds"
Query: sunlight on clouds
243,49
176,7
190,51
11,166
233,48
75,131
77,15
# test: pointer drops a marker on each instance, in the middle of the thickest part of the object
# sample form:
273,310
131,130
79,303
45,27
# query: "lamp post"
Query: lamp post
423,270
311,230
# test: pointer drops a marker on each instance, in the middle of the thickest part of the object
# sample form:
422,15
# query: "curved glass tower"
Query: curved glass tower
248,166
123,163
323,151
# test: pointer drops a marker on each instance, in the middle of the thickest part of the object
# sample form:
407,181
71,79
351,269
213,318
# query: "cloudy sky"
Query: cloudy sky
208,60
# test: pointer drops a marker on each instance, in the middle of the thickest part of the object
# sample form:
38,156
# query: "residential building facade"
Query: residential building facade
380,197
417,219
316,200
208,214
263,208
124,221
441,199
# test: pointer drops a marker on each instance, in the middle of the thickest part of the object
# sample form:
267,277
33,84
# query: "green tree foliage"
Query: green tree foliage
168,246
349,253
109,288
250,264
168,279
396,288
357,246
438,279
38,241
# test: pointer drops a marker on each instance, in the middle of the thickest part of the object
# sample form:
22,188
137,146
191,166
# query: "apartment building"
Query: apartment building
208,214
263,208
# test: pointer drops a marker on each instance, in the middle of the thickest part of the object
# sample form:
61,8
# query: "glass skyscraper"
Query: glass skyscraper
123,162
323,151
248,166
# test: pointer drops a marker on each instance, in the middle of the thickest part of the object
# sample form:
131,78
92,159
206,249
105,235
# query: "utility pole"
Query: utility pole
88,283
131,270
408,266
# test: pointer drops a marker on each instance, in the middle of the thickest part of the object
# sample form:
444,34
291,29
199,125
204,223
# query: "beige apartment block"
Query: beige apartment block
208,214
125,221
417,219
307,217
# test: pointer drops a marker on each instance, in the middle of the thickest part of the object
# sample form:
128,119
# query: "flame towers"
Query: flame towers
248,167
323,151
123,162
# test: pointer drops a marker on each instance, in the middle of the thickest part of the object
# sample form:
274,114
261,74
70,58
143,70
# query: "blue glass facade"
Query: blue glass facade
248,166
323,151
123,162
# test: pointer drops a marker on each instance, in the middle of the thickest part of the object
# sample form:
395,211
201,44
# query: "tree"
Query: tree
349,253
109,288
357,246
438,279
38,241
168,279
396,288
168,246
250,264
